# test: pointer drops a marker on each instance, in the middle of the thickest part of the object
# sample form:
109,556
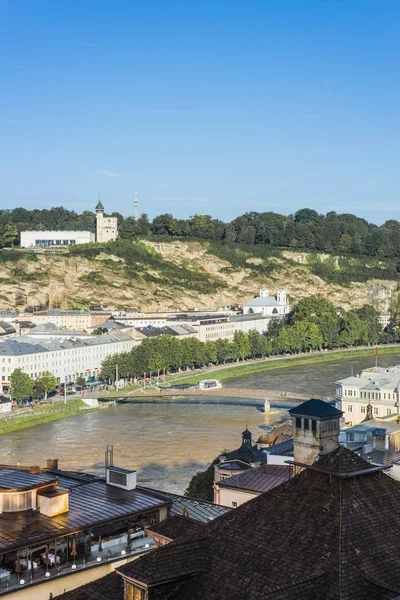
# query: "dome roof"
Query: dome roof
263,439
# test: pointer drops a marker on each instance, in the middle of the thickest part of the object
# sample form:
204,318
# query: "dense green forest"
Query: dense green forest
342,234
314,323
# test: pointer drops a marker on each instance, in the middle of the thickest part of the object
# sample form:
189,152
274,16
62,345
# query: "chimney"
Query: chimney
34,469
316,428
52,463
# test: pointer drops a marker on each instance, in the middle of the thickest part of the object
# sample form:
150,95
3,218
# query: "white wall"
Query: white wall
29,239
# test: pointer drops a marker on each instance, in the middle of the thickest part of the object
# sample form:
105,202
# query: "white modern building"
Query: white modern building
66,358
269,306
377,386
106,231
48,239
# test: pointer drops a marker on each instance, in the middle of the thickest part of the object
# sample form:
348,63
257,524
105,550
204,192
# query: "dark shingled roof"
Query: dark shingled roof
315,537
246,453
316,408
110,587
176,526
259,479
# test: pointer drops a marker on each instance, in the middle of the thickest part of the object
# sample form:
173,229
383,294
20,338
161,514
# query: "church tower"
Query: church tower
316,427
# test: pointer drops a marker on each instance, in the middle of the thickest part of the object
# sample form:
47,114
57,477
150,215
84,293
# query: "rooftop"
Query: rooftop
315,408
91,503
13,481
332,537
200,510
269,301
259,479
285,448
25,344
176,526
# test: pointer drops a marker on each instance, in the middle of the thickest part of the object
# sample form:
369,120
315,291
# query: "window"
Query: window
314,426
133,593
234,504
389,411
375,411
350,408
363,409
298,423
306,425
17,502
350,437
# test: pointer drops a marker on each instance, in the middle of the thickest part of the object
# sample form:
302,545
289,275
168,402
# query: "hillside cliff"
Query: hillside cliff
151,275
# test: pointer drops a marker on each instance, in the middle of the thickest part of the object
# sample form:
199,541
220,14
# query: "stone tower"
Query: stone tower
316,426
106,227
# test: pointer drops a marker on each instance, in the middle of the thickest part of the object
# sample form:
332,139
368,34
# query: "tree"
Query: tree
201,484
21,385
241,345
38,389
49,382
9,235
80,381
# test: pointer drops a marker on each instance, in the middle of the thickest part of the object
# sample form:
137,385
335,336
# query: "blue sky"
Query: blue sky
202,107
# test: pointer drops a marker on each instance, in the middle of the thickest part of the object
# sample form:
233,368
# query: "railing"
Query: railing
110,553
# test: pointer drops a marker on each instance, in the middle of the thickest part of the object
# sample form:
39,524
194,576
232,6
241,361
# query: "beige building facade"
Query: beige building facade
106,227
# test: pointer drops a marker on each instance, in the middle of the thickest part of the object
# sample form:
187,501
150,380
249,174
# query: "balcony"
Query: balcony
33,572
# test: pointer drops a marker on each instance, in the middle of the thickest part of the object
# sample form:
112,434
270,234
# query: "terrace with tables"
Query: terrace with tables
55,523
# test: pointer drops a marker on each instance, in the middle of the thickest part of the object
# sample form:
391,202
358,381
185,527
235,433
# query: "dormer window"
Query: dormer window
16,502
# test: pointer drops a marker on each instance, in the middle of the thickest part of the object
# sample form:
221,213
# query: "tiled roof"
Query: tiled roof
233,465
315,537
200,510
259,479
315,408
107,588
285,448
384,457
176,526
247,453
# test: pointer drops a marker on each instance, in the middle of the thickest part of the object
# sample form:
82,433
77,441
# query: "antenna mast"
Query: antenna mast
136,206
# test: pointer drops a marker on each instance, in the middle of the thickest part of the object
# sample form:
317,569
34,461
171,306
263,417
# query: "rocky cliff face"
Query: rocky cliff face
72,282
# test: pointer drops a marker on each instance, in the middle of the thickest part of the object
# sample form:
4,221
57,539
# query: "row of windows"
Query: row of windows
371,395
305,424
364,410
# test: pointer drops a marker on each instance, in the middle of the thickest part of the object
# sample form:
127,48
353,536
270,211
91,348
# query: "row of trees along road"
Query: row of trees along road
313,324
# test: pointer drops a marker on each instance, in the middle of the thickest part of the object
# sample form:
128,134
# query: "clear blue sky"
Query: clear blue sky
217,107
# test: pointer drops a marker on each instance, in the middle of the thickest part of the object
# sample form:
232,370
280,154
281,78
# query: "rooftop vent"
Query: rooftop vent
121,478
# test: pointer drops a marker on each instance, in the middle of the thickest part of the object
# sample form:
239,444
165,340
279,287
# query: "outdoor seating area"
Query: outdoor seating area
66,555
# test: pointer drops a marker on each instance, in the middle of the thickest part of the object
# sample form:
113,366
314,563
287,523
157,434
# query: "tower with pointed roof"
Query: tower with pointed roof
106,227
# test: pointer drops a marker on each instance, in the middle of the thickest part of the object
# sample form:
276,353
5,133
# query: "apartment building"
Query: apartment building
377,387
67,358
67,319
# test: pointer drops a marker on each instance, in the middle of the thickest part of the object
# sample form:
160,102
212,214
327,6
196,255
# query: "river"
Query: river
166,441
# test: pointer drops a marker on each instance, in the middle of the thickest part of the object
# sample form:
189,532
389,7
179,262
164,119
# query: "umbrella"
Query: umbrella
100,544
18,566
46,557
73,551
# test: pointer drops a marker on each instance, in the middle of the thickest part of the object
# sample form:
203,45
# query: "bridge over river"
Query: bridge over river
222,392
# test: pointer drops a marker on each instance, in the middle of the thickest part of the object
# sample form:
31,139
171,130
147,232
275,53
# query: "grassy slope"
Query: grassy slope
240,370
36,416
